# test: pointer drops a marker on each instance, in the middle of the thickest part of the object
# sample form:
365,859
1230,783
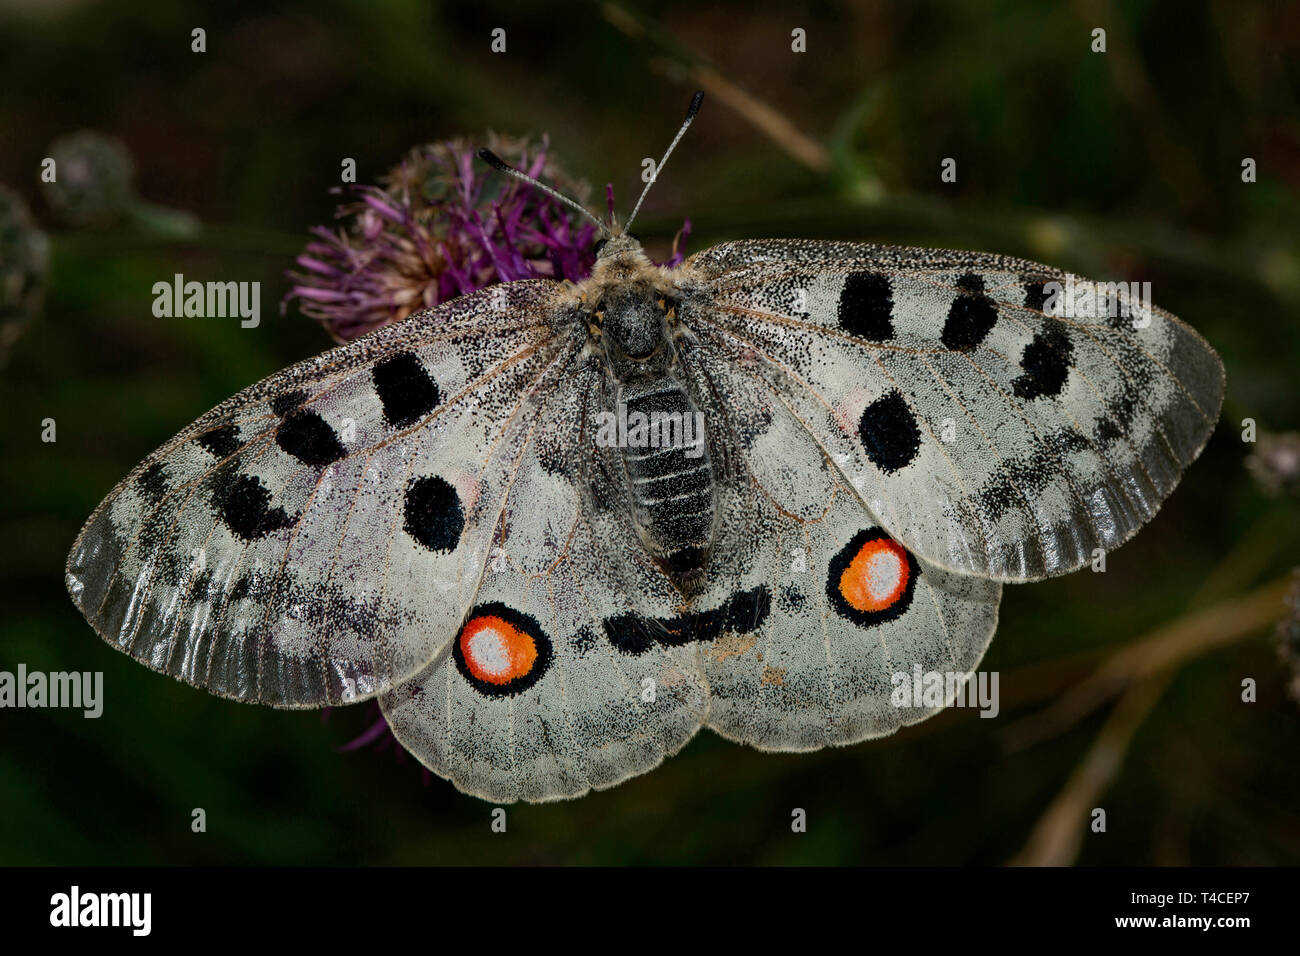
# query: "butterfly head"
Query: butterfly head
622,248
628,303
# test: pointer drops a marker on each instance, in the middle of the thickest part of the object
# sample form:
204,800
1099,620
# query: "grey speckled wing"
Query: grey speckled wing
987,428
317,538
839,607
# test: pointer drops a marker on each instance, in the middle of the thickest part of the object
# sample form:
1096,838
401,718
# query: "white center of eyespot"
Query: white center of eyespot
489,652
884,572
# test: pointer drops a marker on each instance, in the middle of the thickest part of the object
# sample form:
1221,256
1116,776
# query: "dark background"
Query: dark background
1122,165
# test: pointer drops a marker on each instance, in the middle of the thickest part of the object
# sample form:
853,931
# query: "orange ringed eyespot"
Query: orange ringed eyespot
871,579
876,577
500,651
497,651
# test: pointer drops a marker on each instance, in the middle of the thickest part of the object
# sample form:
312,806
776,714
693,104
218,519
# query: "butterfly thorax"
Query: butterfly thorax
630,306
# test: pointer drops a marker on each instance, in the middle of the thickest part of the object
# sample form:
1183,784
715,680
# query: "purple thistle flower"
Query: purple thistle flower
442,225
377,737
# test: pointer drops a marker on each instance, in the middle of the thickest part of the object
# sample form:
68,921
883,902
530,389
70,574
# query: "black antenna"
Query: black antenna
500,165
691,110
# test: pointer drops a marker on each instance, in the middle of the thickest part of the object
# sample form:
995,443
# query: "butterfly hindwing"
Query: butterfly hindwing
989,436
842,607
561,678
548,690
853,615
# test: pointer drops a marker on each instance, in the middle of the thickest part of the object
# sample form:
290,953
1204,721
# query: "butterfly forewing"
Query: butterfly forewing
990,435
315,538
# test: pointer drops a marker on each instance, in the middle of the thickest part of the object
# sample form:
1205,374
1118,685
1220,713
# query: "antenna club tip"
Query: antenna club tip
696,100
493,160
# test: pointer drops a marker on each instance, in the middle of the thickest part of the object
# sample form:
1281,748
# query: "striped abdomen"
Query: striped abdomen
670,477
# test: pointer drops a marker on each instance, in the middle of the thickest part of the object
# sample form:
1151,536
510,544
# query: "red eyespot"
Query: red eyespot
871,579
877,576
497,651
500,650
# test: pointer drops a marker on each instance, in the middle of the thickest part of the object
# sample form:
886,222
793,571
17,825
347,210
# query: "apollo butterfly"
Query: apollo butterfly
557,528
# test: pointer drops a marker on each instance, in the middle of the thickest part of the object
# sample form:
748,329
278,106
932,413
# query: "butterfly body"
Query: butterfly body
631,308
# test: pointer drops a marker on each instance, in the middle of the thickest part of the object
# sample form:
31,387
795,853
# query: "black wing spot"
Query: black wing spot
1117,421
242,502
283,404
309,438
221,442
866,306
433,515
404,386
748,610
1019,478
153,482
743,613
1036,295
630,633
1046,361
971,316
889,432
